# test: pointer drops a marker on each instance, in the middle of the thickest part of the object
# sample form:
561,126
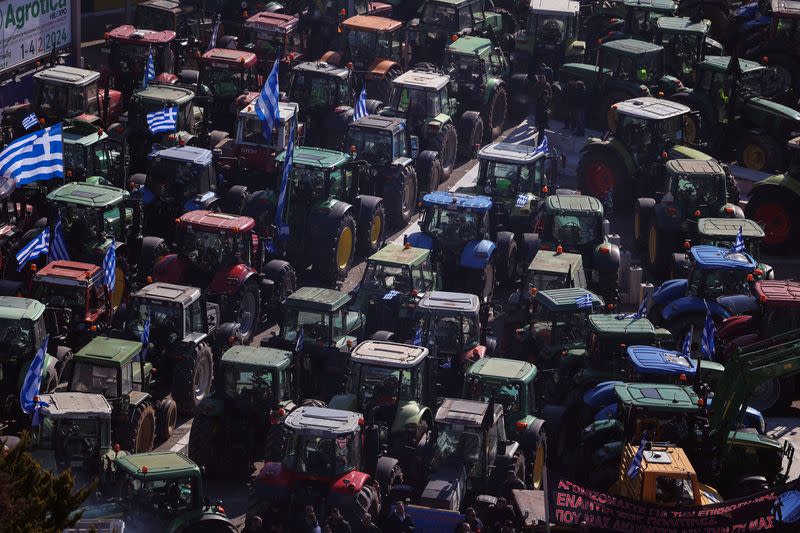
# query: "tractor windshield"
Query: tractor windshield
365,45
249,381
17,338
253,131
75,158
379,277
467,68
451,226
575,230
164,498
322,456
441,15
170,179
543,281
644,69
89,377
787,29
372,145
72,438
508,180
506,394
713,283
454,334
131,58
550,31
312,90
310,182
149,18
65,100
79,223
316,326
384,386
683,50
165,318
208,248
413,102
457,444
674,491
60,295
559,328
700,190
226,81
751,83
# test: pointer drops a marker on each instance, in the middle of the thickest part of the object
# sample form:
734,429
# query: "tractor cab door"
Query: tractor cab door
498,66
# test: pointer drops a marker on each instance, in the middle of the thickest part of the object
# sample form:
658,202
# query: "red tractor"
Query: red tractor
269,34
67,92
232,81
224,256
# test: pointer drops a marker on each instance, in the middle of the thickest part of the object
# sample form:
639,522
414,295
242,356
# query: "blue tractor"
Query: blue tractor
456,228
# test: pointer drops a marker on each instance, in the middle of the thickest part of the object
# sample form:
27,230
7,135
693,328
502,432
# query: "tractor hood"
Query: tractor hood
758,107
684,152
171,268
228,280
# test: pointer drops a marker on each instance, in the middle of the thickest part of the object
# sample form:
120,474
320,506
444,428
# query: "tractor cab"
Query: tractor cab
380,141
551,35
686,43
554,270
648,126
573,222
229,75
63,92
157,98
630,60
716,272
696,188
114,368
453,219
318,86
128,49
642,16
270,34
773,309
326,19
608,337
471,62
659,365
373,39
256,376
185,19
89,152
419,96
722,232
452,322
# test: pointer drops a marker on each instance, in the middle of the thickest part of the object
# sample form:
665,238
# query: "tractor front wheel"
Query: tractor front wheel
775,211
429,171
484,281
400,195
245,308
192,379
167,417
494,114
641,221
446,143
537,481
342,248
143,429
202,441
470,132
371,230
759,152
507,257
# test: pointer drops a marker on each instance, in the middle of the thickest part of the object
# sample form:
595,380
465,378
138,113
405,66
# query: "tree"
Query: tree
33,499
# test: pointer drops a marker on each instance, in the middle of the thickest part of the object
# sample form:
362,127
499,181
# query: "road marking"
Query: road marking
181,443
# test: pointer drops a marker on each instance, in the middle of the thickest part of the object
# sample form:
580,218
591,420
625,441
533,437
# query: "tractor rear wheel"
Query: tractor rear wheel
143,429
429,171
400,195
483,281
774,210
166,417
470,131
202,441
341,250
192,378
371,230
641,221
759,152
661,243
506,255
153,248
245,308
601,173
494,114
446,143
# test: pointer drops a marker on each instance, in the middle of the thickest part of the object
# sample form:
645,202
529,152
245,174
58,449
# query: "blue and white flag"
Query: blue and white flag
636,463
640,313
301,341
33,381
213,42
149,70
707,343
522,200
267,102
418,337
110,266
280,207
544,145
584,302
38,156
391,295
360,108
164,120
738,244
58,248
34,249
30,121
145,338
686,350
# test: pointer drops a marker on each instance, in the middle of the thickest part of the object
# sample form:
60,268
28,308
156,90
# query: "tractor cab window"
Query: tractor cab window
61,100
451,225
88,377
164,498
414,102
444,16
385,386
194,317
147,18
462,445
545,280
424,276
73,437
456,333
508,395
315,91
60,296
684,48
165,319
252,380
268,43
131,57
78,222
174,180
364,45
373,145
322,456
400,144
253,132
467,68
557,327
17,337
316,326
208,248
227,81
310,182
699,191
574,230
126,384
508,180
674,490
344,321
386,277
787,29
751,84
717,282
550,31
669,130
75,158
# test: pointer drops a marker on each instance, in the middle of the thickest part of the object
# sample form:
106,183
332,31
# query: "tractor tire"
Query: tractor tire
203,442
520,89
215,137
483,281
641,221
153,248
284,280
494,114
381,88
371,230
696,128
192,378
245,309
400,197
374,106
470,131
446,143
767,396
166,418
661,243
679,266
429,172
759,152
601,173
388,474
142,432
506,258
775,211
341,250
235,199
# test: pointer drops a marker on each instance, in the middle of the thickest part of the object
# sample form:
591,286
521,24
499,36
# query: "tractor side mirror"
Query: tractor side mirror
414,141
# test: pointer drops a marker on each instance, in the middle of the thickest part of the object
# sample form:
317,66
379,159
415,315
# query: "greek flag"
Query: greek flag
544,145
110,266
642,307
301,341
58,248
283,227
709,332
267,102
38,156
360,109
636,463
738,244
522,200
37,247
164,120
150,70
391,295
418,337
584,302
686,351
145,336
30,121
213,42
28,400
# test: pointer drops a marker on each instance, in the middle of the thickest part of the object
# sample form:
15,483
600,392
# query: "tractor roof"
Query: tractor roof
469,45
321,67
632,329
323,422
13,308
258,356
287,111
574,203
453,2
554,262
779,293
696,167
651,360
715,257
720,64
185,154
83,133
157,465
452,200
388,354
371,24
306,156
682,25
649,108
129,34
272,22
673,398
165,94
173,6
69,273
212,221
565,299
318,299
225,57
786,7
665,6
421,79
64,75
87,194
518,154
554,7
396,254
449,302
631,47
109,352
75,405
468,413
166,292
498,368
379,122
729,228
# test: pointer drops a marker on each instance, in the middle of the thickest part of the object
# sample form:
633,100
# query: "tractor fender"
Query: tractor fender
191,340
201,201
693,304
379,68
528,438
230,280
331,57
344,402
669,291
606,414
473,354
491,86
167,78
476,254
780,183
614,146
601,394
334,213
607,262
731,211
439,121
171,268
419,239
408,413
739,304
211,407
736,326
350,483
777,117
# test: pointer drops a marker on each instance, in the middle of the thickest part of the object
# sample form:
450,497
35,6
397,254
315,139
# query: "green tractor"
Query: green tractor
550,37
686,43
478,72
694,189
89,152
734,117
422,98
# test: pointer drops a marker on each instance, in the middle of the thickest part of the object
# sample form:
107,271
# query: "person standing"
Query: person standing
579,107
399,521
337,523
543,95
367,525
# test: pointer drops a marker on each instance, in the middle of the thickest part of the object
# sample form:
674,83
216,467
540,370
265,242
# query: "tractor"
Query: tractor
190,22
377,49
22,212
395,278
227,259
186,339
395,168
77,300
479,71
624,19
89,151
232,80
324,466
771,204
551,36
270,34
421,97
694,189
254,390
116,369
686,43
734,117
574,224
329,330
161,491
456,228
323,22
67,92
22,332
